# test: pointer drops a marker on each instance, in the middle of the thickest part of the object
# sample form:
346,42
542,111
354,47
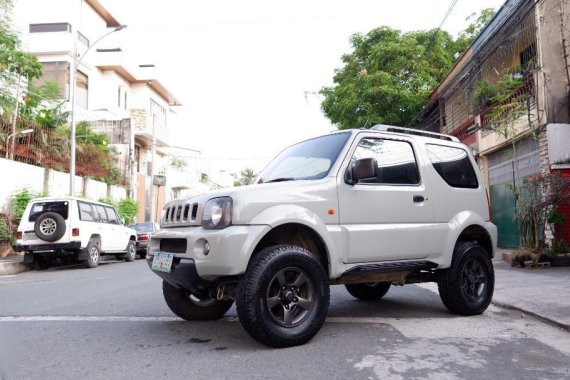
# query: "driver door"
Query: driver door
388,216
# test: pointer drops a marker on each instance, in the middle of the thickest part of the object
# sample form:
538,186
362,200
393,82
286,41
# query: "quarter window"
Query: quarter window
112,215
396,161
453,165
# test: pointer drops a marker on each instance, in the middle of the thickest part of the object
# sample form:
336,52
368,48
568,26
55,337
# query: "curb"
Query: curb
535,315
13,267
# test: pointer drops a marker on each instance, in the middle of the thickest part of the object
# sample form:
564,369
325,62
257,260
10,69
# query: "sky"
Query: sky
248,72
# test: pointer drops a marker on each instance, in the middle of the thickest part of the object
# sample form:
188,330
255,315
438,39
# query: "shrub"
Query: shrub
128,208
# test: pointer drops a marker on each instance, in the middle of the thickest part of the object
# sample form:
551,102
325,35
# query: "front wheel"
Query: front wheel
283,298
191,307
466,287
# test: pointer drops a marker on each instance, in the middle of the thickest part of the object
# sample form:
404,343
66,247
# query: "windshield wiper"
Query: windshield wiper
280,179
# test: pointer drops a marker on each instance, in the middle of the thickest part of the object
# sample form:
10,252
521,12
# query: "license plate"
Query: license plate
162,262
30,236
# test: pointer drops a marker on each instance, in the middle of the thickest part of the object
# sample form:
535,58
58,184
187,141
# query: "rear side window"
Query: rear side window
100,212
39,208
453,165
85,212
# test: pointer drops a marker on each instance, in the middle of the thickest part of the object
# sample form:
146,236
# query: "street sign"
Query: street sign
159,180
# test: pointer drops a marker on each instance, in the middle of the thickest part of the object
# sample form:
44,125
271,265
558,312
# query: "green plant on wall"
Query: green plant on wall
127,208
20,200
510,109
4,232
539,199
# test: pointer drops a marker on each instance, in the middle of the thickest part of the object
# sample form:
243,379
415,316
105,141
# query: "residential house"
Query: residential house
525,46
115,94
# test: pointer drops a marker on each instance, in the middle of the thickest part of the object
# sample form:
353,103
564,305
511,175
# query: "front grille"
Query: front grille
181,214
173,245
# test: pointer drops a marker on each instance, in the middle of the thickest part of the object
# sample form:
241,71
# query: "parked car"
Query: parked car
363,208
72,229
144,231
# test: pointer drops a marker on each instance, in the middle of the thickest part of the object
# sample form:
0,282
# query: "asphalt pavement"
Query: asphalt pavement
540,292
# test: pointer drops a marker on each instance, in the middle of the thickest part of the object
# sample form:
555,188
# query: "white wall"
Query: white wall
16,176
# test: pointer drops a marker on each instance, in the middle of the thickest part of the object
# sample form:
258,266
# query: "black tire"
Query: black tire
131,254
191,308
93,255
466,287
371,291
41,262
283,299
49,226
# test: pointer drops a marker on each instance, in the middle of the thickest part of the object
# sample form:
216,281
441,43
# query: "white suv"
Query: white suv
72,229
364,208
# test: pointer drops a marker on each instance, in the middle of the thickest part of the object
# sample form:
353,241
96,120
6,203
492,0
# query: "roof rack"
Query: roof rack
410,131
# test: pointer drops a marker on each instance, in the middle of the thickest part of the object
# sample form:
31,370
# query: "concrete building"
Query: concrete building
116,94
525,46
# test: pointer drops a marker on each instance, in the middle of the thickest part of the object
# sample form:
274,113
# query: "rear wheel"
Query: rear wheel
93,255
131,251
371,291
466,287
284,296
41,262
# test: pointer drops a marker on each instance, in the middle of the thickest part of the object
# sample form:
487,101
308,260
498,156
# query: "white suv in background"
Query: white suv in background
366,208
72,229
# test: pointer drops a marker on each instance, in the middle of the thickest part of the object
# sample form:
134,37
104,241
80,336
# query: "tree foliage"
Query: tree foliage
246,177
478,22
389,75
16,65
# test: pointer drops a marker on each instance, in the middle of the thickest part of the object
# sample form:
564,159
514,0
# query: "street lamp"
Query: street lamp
24,132
72,76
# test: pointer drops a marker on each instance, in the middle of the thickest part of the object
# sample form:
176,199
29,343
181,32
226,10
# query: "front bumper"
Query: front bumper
229,249
54,248
183,275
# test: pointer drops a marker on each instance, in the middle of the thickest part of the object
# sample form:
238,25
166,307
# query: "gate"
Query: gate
501,187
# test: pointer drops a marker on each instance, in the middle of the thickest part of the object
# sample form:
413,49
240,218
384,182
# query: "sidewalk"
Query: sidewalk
12,265
542,292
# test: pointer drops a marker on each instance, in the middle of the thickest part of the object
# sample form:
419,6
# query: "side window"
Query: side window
453,165
112,215
86,212
101,211
396,161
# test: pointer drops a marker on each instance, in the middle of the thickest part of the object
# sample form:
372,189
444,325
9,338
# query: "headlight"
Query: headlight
217,213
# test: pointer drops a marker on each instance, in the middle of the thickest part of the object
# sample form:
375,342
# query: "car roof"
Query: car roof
68,198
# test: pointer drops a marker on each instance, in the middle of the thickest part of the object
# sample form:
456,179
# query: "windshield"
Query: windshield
143,227
311,159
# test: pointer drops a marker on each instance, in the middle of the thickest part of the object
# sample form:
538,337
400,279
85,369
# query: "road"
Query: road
111,322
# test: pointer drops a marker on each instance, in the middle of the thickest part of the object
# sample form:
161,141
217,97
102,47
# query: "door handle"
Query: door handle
419,198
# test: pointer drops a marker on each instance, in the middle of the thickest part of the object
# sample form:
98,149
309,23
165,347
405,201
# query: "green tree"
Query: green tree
16,68
246,177
388,77
478,22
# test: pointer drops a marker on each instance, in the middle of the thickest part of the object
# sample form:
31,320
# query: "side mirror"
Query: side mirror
361,169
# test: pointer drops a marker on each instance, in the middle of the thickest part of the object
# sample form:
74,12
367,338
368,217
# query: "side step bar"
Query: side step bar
392,271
